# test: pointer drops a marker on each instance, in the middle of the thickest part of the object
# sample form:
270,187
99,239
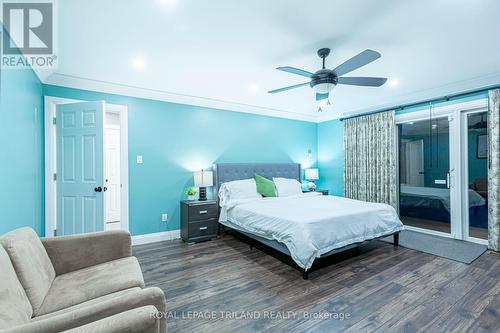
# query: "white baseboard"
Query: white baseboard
156,237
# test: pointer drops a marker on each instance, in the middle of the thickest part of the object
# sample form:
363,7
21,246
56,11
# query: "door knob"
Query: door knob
98,189
105,189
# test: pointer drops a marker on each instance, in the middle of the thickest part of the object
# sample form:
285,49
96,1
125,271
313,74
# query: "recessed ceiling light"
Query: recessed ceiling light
168,3
393,83
138,63
253,88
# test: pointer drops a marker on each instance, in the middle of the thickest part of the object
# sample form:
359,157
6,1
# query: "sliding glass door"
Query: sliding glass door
424,174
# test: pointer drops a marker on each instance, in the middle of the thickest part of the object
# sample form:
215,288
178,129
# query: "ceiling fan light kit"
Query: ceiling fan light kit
323,81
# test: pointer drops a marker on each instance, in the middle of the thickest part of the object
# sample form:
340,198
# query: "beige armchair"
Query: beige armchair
81,283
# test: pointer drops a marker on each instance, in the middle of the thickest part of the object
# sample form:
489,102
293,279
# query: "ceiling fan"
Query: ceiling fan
324,80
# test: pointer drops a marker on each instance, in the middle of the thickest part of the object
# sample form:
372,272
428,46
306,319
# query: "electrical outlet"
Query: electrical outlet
139,159
164,217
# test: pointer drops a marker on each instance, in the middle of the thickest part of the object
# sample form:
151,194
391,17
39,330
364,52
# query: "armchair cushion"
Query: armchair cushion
15,308
88,283
31,263
71,253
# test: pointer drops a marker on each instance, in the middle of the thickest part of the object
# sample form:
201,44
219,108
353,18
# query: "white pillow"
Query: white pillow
238,189
287,187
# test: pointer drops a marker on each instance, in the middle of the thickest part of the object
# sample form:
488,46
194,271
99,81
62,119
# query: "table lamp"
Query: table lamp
202,179
312,175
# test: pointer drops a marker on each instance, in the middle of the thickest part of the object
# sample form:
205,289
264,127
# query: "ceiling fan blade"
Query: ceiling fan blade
320,97
294,70
288,88
357,61
362,81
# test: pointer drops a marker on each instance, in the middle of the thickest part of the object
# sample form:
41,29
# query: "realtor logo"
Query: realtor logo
28,38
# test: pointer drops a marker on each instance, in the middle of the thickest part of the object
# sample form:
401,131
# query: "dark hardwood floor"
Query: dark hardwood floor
383,289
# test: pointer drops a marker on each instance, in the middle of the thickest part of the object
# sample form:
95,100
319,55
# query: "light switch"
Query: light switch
139,159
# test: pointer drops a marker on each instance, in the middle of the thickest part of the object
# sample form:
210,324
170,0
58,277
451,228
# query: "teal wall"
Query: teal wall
176,139
21,150
331,156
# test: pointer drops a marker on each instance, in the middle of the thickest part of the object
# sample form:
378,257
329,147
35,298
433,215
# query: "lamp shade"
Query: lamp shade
203,178
312,174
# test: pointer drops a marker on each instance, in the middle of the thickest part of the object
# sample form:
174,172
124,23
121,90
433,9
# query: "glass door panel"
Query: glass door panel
477,175
424,166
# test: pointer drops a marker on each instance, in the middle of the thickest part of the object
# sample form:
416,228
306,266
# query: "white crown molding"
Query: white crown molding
165,96
133,91
437,92
156,237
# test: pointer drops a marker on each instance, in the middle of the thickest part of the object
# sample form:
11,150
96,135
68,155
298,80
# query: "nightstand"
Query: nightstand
324,192
198,220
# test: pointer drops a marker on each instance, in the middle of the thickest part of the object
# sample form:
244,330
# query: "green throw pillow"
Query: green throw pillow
265,186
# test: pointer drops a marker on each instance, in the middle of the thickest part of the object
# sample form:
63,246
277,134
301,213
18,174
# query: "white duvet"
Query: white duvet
310,224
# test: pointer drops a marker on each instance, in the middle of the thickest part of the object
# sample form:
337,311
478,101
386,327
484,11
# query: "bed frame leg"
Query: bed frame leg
396,239
305,274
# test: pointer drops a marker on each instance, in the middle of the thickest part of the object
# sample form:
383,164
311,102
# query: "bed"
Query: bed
304,226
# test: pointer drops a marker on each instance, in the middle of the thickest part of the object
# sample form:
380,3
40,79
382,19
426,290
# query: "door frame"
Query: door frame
464,176
107,127
50,103
454,113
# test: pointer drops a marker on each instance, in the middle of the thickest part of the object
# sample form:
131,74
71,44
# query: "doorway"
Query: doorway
445,195
80,197
112,203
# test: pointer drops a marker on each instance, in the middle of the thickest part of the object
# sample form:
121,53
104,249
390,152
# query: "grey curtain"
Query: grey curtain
370,158
494,170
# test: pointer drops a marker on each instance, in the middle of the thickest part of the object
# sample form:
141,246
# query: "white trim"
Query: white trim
50,103
428,231
50,160
77,82
166,96
156,237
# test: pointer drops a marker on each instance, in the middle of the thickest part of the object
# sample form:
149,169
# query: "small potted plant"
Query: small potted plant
191,193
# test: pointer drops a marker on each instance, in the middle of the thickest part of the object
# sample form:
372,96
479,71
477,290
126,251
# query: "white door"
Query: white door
113,184
80,167
415,163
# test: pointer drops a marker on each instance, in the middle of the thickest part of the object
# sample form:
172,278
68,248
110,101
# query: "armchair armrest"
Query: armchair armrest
83,314
70,253
141,320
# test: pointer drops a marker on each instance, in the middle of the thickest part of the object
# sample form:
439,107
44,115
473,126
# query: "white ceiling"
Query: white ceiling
217,49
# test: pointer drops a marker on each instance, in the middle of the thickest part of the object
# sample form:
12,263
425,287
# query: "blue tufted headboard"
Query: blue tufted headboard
226,172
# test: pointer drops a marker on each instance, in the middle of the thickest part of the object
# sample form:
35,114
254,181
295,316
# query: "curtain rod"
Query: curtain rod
445,98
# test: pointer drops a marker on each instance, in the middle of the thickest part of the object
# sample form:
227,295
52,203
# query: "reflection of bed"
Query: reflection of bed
305,226
434,204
